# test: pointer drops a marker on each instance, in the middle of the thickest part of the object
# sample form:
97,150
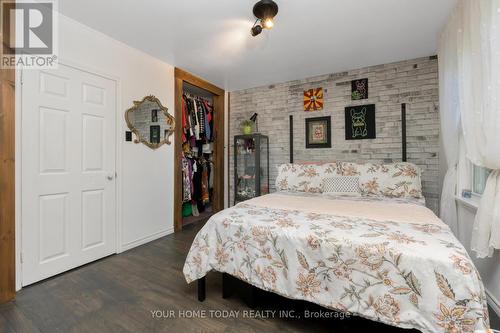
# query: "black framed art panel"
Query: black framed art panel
360,122
318,132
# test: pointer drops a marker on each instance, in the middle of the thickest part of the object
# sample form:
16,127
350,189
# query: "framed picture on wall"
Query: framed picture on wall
154,134
154,116
359,89
360,122
318,132
313,99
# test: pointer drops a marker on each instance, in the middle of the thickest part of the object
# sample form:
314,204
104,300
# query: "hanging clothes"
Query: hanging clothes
186,180
205,196
209,110
197,148
201,117
210,177
208,132
184,120
197,119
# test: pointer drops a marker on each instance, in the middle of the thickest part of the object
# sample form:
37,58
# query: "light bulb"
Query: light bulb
268,23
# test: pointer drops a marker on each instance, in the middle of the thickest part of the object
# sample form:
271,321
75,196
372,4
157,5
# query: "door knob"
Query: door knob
110,176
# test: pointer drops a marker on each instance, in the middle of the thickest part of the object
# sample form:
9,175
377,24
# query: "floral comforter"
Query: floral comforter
408,272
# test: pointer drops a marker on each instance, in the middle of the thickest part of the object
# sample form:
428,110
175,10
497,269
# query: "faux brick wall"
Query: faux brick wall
414,82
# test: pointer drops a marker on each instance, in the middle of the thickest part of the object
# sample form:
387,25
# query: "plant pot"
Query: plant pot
247,130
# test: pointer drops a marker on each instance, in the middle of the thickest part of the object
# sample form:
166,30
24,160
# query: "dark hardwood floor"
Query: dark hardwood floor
118,293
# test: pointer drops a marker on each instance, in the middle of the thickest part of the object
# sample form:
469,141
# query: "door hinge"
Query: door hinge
21,257
21,76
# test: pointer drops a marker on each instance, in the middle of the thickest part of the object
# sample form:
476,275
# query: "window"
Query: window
479,177
470,177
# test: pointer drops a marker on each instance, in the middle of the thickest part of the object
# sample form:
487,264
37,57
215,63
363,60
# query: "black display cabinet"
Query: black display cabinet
251,166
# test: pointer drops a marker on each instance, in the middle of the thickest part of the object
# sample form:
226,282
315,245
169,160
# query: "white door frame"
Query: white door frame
18,167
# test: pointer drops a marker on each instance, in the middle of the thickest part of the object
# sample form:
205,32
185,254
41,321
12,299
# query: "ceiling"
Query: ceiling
212,39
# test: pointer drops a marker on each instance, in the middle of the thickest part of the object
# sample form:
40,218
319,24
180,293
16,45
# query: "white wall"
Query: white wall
145,176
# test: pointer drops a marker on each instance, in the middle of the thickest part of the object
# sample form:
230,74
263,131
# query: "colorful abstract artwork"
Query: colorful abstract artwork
313,99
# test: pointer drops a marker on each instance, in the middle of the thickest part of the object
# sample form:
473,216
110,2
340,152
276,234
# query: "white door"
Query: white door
68,170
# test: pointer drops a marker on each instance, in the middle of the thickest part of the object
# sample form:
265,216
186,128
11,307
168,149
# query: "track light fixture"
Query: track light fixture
256,29
264,11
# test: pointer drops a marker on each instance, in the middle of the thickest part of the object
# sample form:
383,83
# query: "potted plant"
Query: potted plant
247,127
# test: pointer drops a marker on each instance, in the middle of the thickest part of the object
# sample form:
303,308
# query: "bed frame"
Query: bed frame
229,285
403,132
225,277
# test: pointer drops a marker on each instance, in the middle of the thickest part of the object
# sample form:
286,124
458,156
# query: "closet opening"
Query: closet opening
199,149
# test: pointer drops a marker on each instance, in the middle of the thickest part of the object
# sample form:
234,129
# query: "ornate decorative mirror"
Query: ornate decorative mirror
150,122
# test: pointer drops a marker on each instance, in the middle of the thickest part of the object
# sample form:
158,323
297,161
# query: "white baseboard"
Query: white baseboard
147,239
493,302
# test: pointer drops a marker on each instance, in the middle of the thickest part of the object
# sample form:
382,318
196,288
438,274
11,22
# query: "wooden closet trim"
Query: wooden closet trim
7,179
182,76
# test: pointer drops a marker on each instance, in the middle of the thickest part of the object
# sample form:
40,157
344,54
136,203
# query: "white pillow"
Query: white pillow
341,185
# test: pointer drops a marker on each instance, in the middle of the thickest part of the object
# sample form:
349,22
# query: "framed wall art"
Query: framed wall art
154,134
359,89
360,122
313,99
318,132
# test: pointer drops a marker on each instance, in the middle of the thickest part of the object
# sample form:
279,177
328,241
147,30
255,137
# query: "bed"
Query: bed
385,258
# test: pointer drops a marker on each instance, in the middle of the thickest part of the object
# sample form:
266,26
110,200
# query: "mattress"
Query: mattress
388,260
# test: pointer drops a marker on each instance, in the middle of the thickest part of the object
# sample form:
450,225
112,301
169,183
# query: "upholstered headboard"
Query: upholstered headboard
396,180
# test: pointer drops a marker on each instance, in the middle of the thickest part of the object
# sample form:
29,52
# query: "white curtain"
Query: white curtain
478,56
450,117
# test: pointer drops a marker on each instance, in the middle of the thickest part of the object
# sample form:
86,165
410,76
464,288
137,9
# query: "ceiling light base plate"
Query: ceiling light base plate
265,9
